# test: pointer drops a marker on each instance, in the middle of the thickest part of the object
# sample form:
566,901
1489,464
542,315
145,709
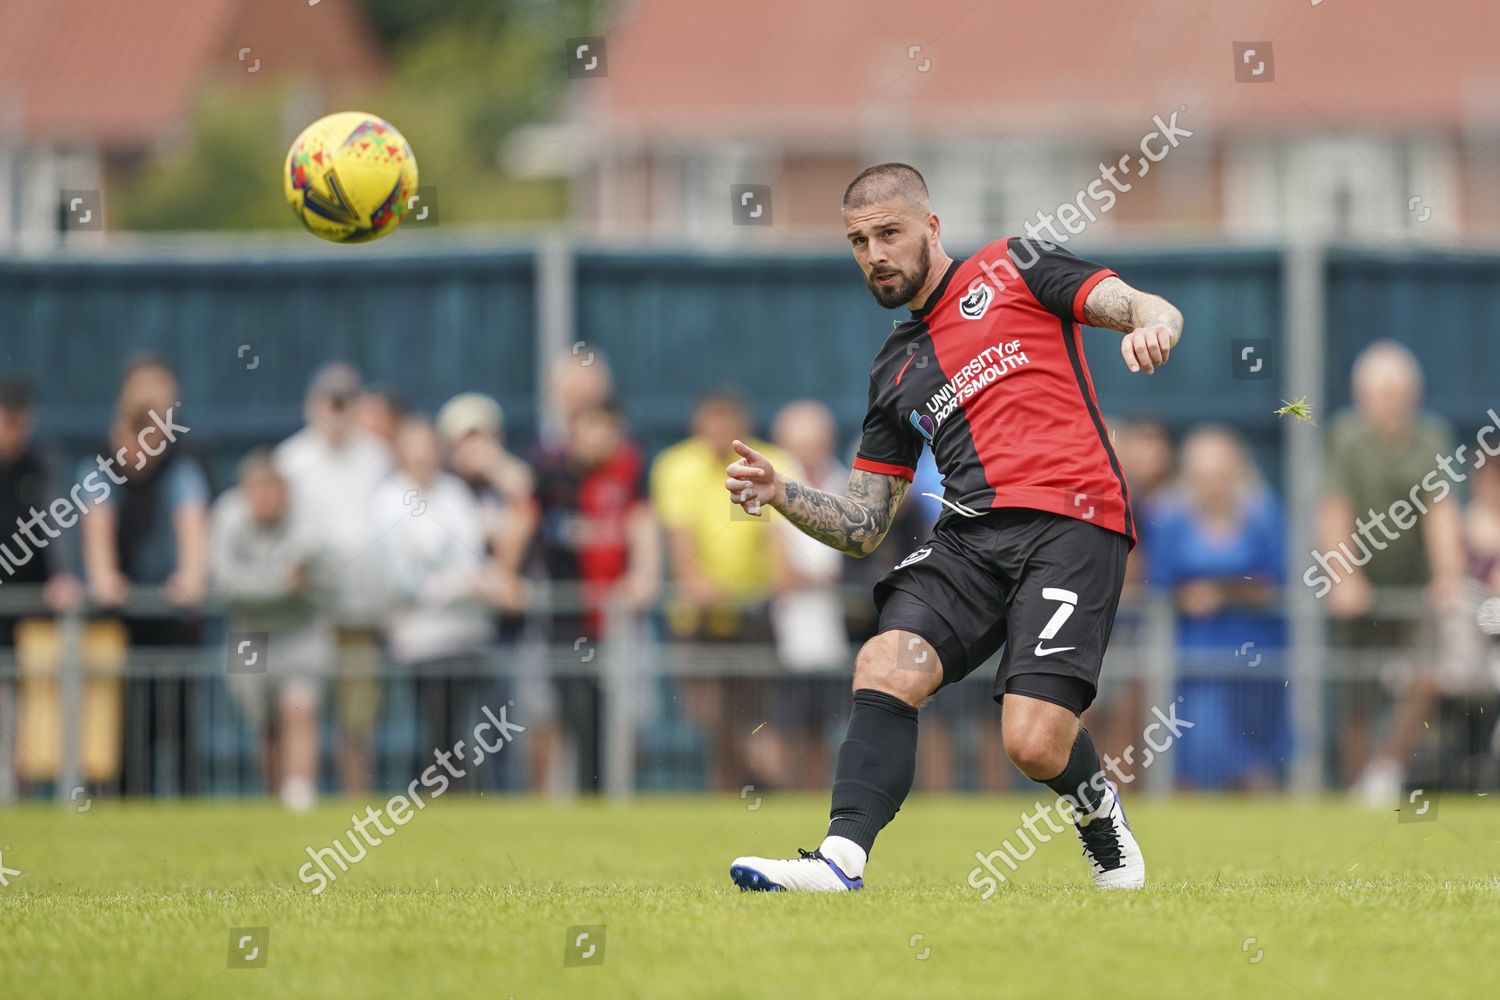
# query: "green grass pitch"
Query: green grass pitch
475,898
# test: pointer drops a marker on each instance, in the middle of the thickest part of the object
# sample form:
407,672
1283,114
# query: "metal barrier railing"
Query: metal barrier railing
82,710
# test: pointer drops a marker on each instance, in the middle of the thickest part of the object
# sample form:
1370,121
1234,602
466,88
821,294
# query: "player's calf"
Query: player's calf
1038,742
1046,742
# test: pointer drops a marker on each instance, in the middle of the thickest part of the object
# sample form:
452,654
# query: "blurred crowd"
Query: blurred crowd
377,541
1412,669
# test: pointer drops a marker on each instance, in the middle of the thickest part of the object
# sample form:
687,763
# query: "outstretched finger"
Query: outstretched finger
745,451
744,471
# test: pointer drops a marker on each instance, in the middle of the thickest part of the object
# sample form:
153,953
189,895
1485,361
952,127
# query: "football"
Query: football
349,177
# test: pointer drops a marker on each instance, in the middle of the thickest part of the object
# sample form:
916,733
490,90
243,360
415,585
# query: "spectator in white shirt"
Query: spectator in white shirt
433,559
265,564
333,468
807,611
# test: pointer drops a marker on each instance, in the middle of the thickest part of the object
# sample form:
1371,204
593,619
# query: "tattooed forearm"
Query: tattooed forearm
854,523
1114,305
1110,305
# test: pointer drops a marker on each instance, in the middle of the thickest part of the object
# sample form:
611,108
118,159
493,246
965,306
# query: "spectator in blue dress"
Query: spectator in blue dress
1216,545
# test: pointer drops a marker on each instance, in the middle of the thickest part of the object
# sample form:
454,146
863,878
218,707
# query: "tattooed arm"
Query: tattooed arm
1151,324
854,523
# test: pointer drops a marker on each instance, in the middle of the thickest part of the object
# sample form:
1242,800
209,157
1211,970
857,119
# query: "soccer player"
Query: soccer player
1029,554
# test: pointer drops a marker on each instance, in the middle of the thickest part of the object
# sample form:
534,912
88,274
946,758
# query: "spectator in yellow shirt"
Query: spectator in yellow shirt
723,564
722,561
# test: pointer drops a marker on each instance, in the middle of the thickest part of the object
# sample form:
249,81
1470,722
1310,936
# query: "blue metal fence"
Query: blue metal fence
246,336
247,333
1443,305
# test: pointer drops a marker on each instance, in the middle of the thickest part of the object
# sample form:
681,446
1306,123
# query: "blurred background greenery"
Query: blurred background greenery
495,64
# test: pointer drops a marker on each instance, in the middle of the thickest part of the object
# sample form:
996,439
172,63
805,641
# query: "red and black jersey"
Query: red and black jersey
583,535
991,374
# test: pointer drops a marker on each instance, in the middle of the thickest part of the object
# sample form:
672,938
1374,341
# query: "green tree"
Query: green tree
465,74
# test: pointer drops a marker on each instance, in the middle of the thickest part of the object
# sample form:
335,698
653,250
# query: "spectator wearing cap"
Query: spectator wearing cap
472,427
333,468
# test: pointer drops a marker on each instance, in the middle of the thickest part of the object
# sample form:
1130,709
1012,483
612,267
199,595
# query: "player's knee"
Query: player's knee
1036,750
900,664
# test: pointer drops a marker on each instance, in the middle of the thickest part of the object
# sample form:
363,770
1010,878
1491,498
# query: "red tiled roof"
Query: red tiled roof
830,68
121,74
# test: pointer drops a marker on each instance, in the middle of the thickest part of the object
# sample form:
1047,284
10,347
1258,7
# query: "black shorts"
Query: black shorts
1043,586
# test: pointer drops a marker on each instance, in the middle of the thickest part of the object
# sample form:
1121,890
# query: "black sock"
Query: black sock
876,764
1077,781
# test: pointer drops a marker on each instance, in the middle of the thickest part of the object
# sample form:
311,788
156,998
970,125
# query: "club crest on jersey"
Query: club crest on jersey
977,302
923,423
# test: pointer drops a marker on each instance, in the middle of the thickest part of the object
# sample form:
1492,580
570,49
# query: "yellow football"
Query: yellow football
349,177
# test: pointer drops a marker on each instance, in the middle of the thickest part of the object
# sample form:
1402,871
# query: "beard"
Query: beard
906,287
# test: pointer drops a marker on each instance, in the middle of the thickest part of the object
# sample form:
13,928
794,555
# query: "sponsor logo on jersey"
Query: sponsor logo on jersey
915,557
978,374
923,423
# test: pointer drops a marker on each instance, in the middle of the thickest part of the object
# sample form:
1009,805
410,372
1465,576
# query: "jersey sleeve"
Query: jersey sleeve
885,447
1056,278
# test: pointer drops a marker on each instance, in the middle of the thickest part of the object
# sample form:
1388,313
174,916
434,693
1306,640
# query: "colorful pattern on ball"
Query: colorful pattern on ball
349,176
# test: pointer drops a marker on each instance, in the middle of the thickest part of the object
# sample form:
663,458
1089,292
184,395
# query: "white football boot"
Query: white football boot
1115,860
812,872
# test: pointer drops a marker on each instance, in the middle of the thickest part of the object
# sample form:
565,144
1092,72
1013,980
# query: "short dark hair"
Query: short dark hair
17,395
258,459
883,182
724,397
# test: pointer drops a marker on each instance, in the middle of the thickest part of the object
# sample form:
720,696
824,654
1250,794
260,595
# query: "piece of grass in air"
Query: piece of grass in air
1297,408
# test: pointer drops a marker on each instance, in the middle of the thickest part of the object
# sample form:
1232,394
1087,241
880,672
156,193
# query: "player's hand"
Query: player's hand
1146,348
751,481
